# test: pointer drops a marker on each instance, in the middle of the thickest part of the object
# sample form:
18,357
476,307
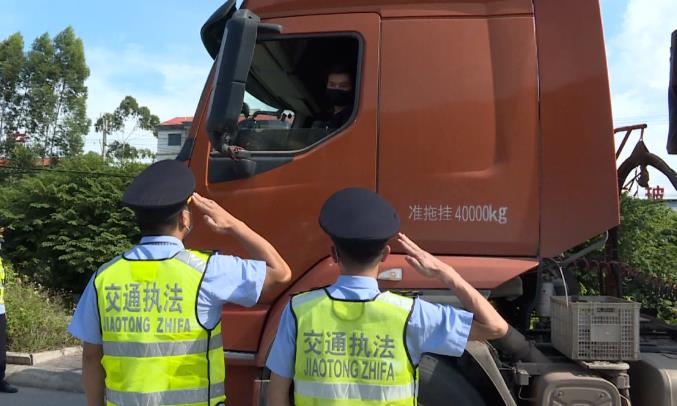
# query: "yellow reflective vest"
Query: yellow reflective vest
352,352
2,283
155,351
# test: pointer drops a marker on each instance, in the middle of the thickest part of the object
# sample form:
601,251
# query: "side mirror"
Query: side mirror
212,30
232,68
672,97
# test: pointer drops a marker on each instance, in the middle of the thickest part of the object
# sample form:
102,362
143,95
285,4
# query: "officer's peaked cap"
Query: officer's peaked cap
160,191
357,214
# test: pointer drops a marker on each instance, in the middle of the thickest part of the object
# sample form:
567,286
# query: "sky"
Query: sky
152,51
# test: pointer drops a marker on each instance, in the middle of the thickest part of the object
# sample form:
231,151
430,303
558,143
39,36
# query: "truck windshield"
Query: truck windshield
299,92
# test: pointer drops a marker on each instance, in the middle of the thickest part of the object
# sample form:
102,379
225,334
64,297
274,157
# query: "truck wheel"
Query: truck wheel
441,384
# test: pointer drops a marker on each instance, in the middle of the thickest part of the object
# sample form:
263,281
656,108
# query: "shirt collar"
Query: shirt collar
163,239
359,282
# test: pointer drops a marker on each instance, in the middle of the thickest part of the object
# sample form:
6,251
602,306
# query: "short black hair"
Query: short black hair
341,69
149,225
361,253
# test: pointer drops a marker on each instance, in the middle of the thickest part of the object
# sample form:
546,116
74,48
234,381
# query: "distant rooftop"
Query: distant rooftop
178,121
38,162
188,119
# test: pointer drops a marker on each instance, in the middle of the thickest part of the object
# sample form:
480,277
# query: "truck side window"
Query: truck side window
300,90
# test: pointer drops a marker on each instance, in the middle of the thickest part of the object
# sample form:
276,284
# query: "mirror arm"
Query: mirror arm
232,68
270,28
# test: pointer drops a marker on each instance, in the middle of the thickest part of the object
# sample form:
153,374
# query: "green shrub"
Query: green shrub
647,241
63,224
36,319
648,236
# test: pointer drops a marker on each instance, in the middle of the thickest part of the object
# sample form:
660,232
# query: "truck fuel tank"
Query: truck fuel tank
653,380
567,388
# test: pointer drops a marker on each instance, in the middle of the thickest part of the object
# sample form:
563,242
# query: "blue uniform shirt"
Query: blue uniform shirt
432,328
227,279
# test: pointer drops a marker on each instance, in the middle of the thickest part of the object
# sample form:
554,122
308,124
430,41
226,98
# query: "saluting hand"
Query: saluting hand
216,217
421,260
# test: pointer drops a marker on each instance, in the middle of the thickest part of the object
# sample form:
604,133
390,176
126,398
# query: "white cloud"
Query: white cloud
639,73
174,91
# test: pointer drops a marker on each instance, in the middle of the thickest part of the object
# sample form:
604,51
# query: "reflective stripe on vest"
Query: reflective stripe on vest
127,349
155,352
352,352
360,391
169,397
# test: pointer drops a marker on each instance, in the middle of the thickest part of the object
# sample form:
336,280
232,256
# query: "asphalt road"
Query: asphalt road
41,397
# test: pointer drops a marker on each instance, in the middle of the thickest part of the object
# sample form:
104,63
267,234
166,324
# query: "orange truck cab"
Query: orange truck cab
487,124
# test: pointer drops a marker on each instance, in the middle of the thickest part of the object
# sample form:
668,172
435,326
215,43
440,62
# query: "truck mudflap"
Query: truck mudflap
470,380
479,351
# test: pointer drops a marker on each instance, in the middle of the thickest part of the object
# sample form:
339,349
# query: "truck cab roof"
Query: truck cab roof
389,8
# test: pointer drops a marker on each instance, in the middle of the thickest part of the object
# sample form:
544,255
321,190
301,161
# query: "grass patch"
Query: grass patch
36,319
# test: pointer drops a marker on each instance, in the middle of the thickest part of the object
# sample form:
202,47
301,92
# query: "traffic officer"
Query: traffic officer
150,318
4,386
352,344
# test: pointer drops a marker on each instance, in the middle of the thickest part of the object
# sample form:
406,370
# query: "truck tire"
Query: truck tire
441,384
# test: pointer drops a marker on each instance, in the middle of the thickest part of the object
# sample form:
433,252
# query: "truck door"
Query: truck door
286,158
458,147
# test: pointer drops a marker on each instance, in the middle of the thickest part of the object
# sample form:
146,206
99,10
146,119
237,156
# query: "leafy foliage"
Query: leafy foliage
61,226
128,112
648,236
11,64
69,120
43,93
648,242
36,319
123,152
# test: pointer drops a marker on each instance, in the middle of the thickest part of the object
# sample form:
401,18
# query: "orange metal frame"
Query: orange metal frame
500,103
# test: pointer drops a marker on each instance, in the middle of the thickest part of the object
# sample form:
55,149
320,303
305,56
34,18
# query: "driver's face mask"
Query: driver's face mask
339,97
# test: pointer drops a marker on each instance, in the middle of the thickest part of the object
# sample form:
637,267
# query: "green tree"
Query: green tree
648,236
11,64
55,95
647,241
63,224
22,157
39,100
69,122
123,152
21,160
128,114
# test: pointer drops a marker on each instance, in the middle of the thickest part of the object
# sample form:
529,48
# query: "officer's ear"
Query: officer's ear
334,254
185,222
386,252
